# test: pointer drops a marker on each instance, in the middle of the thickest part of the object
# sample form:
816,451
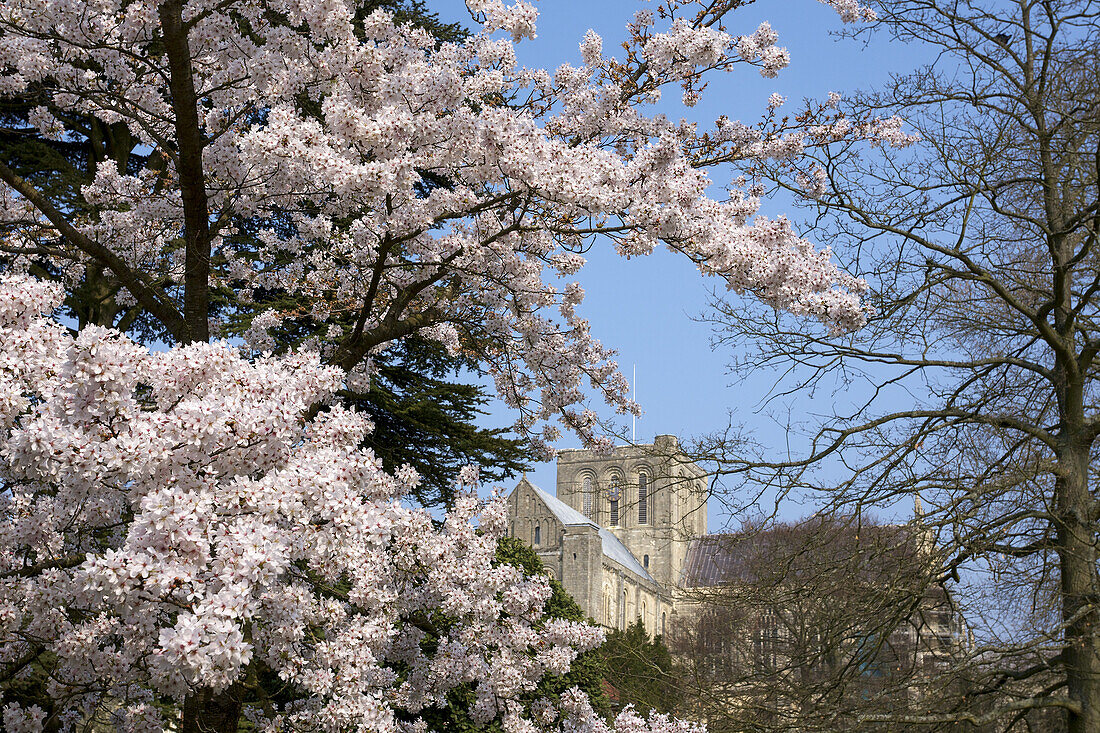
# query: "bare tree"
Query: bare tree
974,386
833,623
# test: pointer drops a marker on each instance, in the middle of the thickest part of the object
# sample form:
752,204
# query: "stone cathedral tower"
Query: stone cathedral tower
649,496
618,531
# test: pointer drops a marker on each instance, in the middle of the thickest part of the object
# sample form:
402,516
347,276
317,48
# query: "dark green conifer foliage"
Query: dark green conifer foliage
423,419
640,670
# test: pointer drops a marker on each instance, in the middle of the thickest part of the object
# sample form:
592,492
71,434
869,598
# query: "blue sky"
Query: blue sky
643,307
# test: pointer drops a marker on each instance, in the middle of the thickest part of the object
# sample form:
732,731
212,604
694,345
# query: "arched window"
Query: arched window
586,496
538,534
663,615
766,641
643,498
614,494
645,561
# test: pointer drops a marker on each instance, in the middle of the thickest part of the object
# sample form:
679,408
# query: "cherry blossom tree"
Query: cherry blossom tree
179,523
431,186
171,525
420,400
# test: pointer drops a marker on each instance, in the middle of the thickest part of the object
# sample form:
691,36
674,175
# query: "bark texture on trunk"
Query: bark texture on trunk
210,712
190,143
1079,583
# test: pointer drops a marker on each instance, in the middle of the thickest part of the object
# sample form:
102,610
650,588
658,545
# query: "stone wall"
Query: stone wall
657,532
675,506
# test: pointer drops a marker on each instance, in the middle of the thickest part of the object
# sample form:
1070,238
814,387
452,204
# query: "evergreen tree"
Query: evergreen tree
640,670
425,420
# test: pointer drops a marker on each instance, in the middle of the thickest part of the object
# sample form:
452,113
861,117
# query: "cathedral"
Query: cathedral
619,530
626,535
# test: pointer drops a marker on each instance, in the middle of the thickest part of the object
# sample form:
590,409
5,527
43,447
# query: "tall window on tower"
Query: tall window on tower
643,498
613,496
586,496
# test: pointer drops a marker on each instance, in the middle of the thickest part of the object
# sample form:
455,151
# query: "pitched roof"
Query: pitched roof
617,551
612,546
566,514
709,561
761,555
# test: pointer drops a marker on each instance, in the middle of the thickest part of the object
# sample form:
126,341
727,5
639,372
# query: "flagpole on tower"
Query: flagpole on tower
634,399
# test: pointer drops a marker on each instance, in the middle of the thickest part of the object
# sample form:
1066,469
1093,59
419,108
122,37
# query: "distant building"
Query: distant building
619,530
793,612
627,537
626,534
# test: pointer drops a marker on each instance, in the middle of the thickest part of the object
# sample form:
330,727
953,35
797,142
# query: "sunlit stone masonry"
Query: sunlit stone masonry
619,531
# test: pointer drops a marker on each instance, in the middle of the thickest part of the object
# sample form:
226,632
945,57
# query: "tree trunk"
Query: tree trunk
209,712
1078,558
192,182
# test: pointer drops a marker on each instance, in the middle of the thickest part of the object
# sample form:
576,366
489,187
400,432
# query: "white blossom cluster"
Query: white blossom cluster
168,517
465,183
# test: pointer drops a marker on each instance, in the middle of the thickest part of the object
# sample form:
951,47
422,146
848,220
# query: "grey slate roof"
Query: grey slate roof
710,561
612,545
566,514
715,559
616,550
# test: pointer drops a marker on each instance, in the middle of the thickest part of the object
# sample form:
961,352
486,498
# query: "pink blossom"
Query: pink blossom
185,500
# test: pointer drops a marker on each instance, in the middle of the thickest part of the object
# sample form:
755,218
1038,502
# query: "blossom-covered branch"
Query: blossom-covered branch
170,525
390,184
